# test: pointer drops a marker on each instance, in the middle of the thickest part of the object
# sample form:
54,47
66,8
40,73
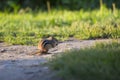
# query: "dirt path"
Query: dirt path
16,64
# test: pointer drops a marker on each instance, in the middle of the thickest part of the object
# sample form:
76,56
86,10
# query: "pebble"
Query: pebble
3,50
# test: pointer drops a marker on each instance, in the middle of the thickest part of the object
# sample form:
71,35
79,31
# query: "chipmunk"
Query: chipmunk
45,44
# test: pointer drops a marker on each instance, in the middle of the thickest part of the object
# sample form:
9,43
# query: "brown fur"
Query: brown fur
44,49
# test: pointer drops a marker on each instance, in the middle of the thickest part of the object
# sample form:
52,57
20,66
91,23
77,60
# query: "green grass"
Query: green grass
28,28
101,62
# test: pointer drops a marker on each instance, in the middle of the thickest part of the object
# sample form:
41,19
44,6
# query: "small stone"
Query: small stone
45,68
29,72
2,50
13,60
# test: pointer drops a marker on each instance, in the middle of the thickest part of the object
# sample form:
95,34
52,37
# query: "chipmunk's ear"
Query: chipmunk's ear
51,37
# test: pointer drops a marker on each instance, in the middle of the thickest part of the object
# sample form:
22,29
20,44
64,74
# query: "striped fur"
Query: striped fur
45,44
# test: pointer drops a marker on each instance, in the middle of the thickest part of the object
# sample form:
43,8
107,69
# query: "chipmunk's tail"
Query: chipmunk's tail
38,52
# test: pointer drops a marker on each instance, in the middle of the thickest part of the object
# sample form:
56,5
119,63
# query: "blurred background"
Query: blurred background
26,21
45,5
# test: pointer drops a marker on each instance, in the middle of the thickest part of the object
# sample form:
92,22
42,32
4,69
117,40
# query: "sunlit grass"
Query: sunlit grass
96,63
27,28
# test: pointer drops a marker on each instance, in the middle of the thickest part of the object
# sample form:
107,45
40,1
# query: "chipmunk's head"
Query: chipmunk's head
53,39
